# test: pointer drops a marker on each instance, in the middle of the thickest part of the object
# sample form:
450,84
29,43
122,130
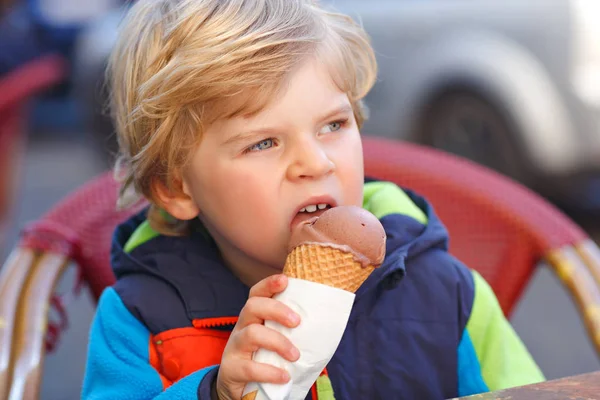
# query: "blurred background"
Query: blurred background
511,84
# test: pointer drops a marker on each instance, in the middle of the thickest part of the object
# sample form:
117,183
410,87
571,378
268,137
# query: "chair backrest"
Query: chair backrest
81,228
496,226
30,78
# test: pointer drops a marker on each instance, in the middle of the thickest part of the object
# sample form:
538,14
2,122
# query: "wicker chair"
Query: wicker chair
497,227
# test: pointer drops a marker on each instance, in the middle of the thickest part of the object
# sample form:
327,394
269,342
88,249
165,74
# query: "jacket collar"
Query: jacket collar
192,265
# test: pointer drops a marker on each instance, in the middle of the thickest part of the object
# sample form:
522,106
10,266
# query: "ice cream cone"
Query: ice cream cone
327,265
250,396
338,249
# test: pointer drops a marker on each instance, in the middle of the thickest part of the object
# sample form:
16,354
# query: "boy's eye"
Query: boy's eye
332,127
262,145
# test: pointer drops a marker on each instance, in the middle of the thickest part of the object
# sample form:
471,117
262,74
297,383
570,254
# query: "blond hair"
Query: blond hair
179,65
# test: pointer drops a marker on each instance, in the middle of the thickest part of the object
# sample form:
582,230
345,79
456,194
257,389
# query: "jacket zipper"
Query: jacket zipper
207,323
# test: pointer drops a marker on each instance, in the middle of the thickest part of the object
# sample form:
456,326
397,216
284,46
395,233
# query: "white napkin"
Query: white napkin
324,313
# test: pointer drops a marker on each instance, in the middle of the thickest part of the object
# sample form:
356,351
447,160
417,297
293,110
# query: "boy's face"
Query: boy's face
250,177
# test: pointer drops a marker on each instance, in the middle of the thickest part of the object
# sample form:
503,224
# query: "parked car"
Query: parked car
511,84
514,85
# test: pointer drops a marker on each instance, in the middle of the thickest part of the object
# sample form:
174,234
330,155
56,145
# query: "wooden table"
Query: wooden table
579,387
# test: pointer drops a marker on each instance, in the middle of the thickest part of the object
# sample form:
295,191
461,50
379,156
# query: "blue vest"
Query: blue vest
404,330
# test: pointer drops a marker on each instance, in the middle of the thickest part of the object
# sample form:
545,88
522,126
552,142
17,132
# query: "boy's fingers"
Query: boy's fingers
252,371
269,286
257,336
259,309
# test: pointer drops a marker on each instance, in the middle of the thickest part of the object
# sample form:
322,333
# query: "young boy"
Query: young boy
232,116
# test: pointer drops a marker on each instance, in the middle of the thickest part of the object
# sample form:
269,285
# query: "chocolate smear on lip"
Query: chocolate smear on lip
349,228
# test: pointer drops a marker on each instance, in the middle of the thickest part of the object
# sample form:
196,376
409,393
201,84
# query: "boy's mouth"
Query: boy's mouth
312,208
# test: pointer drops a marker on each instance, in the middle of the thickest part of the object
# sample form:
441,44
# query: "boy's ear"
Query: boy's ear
177,202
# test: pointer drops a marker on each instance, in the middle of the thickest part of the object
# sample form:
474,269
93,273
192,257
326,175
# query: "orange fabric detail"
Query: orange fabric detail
155,363
171,368
182,351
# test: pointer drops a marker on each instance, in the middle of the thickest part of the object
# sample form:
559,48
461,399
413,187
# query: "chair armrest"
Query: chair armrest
38,275
13,278
590,253
576,267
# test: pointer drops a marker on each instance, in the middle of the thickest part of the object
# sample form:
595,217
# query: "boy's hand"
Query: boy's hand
249,334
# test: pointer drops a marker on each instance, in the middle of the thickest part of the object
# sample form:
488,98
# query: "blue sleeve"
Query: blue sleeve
491,355
118,365
470,379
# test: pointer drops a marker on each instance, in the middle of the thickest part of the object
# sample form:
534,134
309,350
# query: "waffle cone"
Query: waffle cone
327,265
250,396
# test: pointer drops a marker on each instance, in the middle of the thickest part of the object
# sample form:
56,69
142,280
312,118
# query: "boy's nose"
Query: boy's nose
310,161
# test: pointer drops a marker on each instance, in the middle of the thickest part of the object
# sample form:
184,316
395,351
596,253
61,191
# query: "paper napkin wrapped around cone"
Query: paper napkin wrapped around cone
331,255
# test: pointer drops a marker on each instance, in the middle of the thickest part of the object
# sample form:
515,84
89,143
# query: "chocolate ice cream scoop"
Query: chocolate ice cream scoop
349,228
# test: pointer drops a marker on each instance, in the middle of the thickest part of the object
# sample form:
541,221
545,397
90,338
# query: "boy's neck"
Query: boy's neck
246,269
